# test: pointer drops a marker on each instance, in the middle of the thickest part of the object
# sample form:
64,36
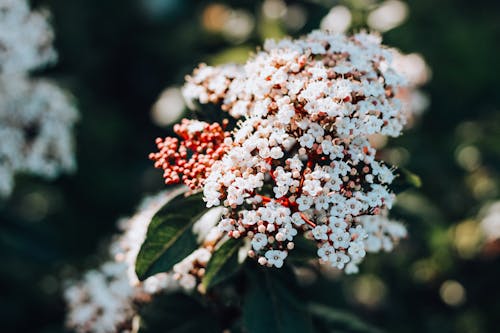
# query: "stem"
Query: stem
309,222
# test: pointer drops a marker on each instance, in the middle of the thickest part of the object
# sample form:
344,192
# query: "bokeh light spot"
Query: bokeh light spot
452,293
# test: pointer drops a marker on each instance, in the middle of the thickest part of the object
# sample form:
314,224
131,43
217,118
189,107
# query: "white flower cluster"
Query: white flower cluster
209,85
300,160
105,300
102,302
347,80
26,38
417,73
36,121
378,233
36,116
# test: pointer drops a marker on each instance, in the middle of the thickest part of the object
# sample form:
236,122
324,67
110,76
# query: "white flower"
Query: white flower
320,232
359,232
297,219
336,223
325,251
342,89
321,202
316,131
340,239
259,241
351,268
276,153
305,202
226,225
295,163
382,233
188,282
204,226
288,232
373,243
357,250
275,257
202,255
339,259
307,140
312,187
250,217
26,38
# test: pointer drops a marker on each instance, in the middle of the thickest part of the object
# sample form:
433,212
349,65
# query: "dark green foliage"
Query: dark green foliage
272,303
223,264
170,237
177,313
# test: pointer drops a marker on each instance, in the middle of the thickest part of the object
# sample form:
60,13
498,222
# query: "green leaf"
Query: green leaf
223,263
270,307
170,237
405,180
177,313
192,205
341,319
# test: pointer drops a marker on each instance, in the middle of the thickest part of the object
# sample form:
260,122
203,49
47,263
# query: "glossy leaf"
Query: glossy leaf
170,237
270,306
223,264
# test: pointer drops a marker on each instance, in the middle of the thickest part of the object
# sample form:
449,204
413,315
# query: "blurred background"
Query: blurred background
124,61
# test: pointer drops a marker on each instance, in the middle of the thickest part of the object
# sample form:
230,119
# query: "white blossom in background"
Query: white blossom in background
274,9
169,107
36,121
104,301
417,73
388,15
338,19
307,108
36,116
26,38
490,224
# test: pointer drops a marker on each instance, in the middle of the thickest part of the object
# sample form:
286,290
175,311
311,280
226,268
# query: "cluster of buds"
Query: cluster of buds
209,84
300,161
189,158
